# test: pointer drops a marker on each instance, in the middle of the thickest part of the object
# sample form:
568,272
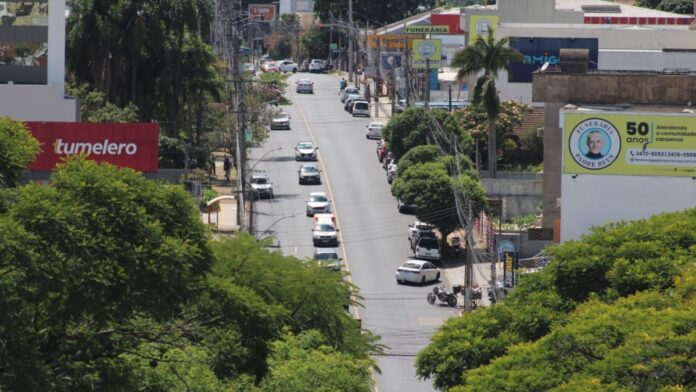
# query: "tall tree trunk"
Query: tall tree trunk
492,161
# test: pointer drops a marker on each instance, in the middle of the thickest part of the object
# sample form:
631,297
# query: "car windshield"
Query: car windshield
361,105
317,199
259,180
411,265
325,227
310,169
305,145
326,256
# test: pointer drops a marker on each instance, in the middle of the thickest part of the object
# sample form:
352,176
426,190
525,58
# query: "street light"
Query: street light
263,156
268,229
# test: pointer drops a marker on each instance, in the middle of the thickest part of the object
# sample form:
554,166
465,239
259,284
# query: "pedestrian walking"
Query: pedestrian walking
227,165
342,84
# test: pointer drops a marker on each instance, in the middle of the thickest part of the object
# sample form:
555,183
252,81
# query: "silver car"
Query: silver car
305,86
281,121
309,173
374,130
318,203
261,186
306,151
328,258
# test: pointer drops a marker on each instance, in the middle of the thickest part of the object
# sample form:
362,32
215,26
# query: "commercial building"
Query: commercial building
32,62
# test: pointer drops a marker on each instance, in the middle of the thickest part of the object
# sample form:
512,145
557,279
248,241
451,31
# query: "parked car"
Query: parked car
417,227
305,86
417,271
348,92
328,258
280,121
309,173
270,66
427,248
404,207
325,233
374,130
361,108
399,106
421,234
288,66
317,66
318,203
306,151
304,67
261,186
348,105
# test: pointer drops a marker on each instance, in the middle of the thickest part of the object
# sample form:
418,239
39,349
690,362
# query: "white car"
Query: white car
361,108
417,227
305,86
261,186
325,233
288,66
317,66
318,203
427,248
328,258
281,121
306,151
374,130
417,271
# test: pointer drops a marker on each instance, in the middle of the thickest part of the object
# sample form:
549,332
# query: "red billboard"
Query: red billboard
133,145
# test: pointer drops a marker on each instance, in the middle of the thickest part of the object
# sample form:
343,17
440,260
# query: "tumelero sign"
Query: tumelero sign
133,145
631,143
426,30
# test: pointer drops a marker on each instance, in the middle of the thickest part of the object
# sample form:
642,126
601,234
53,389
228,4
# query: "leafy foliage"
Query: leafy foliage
18,148
677,6
95,108
612,311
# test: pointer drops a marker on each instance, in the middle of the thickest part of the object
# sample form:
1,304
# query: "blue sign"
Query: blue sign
540,50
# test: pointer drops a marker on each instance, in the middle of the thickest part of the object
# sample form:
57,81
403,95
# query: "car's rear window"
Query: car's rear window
361,105
326,256
411,265
429,243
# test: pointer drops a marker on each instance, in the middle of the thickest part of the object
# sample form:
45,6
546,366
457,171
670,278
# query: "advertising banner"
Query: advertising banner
640,144
540,50
389,61
427,52
262,12
427,30
510,265
478,26
389,41
133,145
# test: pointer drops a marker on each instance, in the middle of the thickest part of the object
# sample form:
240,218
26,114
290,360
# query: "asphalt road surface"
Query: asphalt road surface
373,233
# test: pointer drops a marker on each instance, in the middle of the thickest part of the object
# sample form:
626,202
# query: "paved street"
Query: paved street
373,232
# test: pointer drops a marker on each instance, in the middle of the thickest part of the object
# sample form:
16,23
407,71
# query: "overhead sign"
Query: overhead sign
479,25
538,51
262,12
427,52
133,145
389,41
640,144
427,30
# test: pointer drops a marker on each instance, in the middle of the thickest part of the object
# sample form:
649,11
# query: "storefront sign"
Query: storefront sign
510,265
389,41
479,24
427,52
133,145
427,29
641,144
262,12
538,51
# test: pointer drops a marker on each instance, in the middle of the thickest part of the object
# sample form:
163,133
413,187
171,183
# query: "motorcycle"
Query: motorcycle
456,245
439,292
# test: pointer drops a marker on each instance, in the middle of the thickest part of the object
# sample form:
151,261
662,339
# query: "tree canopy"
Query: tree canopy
610,312
18,148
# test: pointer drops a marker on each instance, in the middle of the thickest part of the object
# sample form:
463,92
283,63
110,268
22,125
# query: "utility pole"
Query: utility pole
239,110
407,72
468,272
350,41
427,83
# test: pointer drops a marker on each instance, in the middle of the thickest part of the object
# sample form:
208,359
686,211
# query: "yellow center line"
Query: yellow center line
338,225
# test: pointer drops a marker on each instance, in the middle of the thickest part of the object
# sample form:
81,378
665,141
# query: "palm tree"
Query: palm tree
486,57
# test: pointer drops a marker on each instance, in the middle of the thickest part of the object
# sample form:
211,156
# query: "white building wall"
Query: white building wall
592,200
645,60
37,103
56,43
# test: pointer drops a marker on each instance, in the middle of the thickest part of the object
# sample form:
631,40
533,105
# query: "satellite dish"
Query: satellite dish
545,66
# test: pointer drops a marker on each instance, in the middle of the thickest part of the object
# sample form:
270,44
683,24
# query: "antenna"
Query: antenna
545,66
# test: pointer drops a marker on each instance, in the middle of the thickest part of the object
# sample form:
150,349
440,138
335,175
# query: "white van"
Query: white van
361,108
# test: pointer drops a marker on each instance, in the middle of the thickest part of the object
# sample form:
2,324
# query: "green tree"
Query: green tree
315,43
418,154
685,7
307,363
416,127
95,108
486,57
18,149
80,258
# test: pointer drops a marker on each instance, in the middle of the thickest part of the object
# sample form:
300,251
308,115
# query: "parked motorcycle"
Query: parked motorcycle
439,292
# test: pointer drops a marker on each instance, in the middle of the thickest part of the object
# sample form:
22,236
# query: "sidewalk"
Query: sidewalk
225,220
